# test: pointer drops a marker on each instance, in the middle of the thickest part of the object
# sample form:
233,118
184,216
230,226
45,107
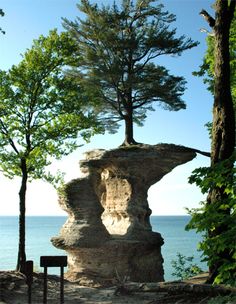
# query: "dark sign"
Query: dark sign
53,261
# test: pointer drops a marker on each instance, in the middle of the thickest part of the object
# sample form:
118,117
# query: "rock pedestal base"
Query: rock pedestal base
117,259
108,233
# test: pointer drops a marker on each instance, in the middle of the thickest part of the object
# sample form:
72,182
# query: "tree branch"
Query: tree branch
210,20
5,132
208,154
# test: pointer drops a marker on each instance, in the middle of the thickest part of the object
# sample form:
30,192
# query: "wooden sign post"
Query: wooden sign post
29,265
53,261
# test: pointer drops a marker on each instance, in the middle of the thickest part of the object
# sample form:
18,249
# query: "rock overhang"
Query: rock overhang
109,212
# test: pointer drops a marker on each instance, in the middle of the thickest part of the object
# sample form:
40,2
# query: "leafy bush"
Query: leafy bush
217,221
184,268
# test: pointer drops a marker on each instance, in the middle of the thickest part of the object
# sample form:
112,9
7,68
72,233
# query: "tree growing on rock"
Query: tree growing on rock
119,47
37,119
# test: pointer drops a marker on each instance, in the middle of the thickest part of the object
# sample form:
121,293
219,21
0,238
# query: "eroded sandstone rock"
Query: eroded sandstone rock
108,230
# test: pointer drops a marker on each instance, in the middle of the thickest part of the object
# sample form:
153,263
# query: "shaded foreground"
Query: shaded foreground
13,290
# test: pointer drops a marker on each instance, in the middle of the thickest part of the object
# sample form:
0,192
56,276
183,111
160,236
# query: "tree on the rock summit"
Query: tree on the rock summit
41,117
119,47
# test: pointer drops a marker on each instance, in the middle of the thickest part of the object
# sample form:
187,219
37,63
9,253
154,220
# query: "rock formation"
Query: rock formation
108,231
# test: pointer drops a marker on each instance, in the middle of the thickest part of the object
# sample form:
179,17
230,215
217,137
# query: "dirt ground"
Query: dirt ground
14,290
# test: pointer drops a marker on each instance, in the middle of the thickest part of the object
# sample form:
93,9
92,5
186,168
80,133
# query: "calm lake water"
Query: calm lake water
40,230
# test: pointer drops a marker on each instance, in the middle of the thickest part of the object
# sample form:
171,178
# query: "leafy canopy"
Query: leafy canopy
118,46
41,112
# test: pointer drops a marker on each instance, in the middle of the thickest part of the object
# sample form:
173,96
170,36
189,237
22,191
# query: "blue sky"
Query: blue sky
25,20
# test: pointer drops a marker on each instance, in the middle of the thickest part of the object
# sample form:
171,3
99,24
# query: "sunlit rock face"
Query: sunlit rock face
108,231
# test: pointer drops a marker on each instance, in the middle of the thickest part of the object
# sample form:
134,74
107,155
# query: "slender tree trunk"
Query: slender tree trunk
223,128
129,125
128,117
22,195
129,130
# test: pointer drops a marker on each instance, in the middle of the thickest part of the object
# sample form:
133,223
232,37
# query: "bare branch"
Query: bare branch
208,154
210,20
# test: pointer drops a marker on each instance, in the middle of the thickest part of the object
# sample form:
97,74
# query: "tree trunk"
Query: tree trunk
129,124
129,131
223,128
22,195
223,132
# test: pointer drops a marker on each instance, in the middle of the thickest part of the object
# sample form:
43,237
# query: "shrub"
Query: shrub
184,267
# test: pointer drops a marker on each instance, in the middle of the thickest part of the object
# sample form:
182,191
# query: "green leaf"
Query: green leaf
43,112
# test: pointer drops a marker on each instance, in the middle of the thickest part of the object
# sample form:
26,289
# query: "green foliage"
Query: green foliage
117,45
217,221
207,68
56,179
230,299
208,65
41,111
184,268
